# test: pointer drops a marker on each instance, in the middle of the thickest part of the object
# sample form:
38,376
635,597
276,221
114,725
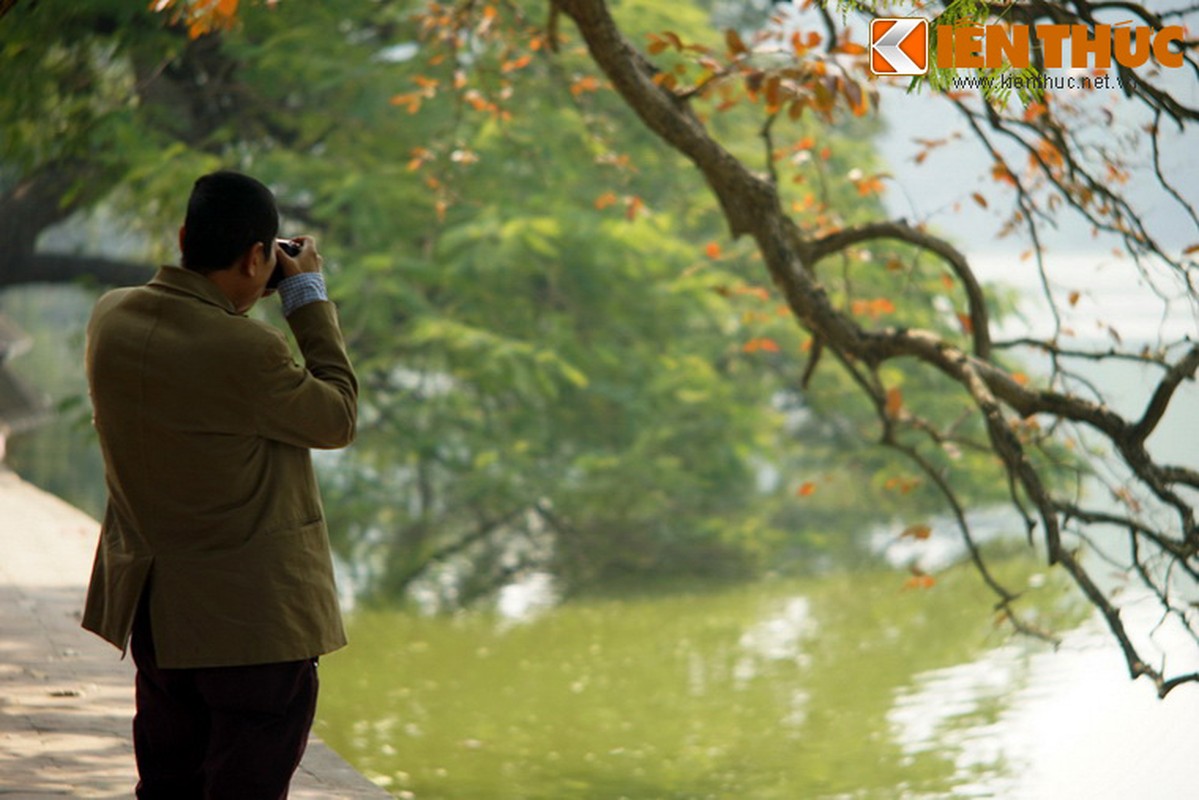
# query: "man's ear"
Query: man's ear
252,260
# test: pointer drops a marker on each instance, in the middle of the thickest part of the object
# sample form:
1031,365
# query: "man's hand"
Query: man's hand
307,260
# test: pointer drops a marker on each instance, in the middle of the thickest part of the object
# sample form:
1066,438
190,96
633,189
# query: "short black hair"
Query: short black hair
227,214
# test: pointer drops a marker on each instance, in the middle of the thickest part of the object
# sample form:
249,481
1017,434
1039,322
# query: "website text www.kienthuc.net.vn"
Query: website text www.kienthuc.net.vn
1002,83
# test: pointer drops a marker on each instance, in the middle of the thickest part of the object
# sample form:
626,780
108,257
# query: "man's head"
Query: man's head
228,214
229,235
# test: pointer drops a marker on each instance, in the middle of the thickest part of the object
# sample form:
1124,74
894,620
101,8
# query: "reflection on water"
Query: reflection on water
948,710
784,636
781,637
528,598
1067,724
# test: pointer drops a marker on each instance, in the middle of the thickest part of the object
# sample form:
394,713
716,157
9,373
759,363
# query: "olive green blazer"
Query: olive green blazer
205,421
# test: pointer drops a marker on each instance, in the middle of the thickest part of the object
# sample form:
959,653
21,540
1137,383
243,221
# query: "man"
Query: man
213,564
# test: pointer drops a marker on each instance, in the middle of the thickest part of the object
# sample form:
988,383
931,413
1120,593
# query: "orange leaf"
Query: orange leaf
1074,296
633,206
920,582
585,83
516,63
966,322
1034,110
712,250
773,88
761,343
1125,496
869,186
666,80
733,40
604,200
477,101
770,345
1020,378
1001,173
806,489
411,100
902,485
920,532
978,198
1192,249
894,402
872,308
1050,155
756,291
419,156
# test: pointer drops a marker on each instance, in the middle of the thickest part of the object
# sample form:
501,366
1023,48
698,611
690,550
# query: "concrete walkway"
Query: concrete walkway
66,697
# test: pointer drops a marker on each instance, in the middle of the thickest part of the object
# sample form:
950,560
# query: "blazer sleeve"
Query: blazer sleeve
314,404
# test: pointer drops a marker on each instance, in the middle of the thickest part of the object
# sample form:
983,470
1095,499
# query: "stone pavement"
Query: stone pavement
66,697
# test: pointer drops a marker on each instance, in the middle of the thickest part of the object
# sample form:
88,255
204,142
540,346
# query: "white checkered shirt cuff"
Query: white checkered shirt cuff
300,290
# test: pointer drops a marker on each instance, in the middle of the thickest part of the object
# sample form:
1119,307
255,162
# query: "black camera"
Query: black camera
292,248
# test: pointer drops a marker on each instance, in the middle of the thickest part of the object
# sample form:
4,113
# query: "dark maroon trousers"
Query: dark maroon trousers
219,733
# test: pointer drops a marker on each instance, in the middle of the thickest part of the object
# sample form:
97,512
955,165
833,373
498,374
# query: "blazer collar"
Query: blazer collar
185,281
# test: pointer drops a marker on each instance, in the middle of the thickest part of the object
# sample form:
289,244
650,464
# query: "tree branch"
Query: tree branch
901,231
66,268
752,207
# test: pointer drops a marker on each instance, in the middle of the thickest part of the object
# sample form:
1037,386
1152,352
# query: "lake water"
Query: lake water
842,687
